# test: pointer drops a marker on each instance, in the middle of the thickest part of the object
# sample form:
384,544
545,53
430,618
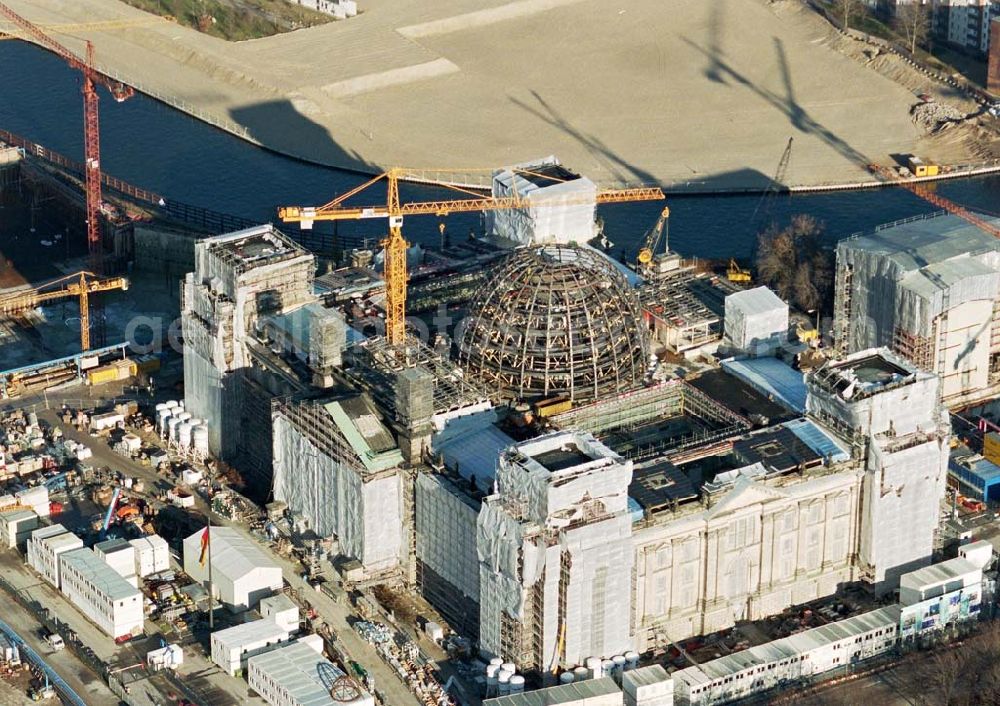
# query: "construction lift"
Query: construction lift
80,285
91,133
393,210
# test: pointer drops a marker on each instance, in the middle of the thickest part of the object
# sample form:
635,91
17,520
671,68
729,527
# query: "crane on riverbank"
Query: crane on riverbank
394,210
91,132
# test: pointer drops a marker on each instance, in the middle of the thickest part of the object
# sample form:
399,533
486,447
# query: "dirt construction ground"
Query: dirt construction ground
705,91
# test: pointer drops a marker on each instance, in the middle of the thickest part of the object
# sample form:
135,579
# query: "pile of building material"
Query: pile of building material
931,116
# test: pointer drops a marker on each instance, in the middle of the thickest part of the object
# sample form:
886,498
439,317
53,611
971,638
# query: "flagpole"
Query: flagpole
211,588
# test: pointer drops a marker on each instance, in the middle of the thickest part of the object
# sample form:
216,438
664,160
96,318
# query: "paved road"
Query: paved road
84,682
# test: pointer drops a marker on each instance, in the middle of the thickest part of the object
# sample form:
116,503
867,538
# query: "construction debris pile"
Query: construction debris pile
933,116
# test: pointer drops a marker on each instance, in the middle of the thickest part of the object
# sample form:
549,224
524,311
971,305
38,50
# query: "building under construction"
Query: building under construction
928,288
555,320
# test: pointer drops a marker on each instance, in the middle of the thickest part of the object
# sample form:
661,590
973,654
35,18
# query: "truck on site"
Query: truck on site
55,642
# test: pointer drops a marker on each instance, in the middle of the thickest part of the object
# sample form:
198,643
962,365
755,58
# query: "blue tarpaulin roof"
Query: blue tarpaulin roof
818,440
773,378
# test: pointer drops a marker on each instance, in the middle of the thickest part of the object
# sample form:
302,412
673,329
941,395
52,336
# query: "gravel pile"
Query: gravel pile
931,116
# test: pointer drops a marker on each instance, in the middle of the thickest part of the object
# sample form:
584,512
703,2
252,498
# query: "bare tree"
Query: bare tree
794,263
847,9
913,22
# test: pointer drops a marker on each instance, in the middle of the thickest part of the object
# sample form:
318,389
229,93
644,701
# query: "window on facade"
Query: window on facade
662,557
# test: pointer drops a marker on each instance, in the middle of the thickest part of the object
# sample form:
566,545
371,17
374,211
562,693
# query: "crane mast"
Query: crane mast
394,210
91,129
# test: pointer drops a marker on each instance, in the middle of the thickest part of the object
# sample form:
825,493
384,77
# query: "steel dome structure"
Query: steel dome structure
555,320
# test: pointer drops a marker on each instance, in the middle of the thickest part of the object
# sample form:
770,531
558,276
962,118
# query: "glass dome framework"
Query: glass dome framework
555,320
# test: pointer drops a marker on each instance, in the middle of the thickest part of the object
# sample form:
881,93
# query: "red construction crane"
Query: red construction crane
91,136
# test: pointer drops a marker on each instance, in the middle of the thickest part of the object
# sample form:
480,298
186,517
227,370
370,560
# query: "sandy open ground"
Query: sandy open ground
629,91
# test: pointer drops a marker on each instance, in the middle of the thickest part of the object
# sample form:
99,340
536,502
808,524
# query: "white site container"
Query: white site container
756,321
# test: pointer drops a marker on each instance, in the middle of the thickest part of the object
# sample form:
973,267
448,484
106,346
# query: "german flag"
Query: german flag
204,547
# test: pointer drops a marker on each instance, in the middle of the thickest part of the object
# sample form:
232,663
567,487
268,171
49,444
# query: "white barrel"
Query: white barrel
607,668
566,678
619,661
594,667
172,425
581,674
503,682
160,406
194,421
183,416
517,684
180,405
184,435
491,671
171,404
497,661
199,439
510,667
631,660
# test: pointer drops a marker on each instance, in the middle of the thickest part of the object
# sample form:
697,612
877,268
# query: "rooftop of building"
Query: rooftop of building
864,373
563,451
791,646
471,445
306,675
104,579
772,377
254,247
645,676
577,692
16,516
746,395
110,546
354,418
936,574
256,631
915,243
759,300
48,532
278,603
233,554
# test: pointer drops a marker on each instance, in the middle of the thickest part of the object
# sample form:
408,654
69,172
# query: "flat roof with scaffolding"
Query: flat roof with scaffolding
660,420
253,247
375,364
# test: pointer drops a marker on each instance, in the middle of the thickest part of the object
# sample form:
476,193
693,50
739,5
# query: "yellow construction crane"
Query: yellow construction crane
653,239
80,284
11,31
394,211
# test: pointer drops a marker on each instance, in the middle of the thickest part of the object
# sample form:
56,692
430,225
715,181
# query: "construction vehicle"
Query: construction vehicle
648,260
41,691
55,641
81,285
393,210
888,174
807,334
91,134
735,273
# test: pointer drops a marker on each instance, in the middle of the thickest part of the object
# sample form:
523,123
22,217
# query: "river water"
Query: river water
159,148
